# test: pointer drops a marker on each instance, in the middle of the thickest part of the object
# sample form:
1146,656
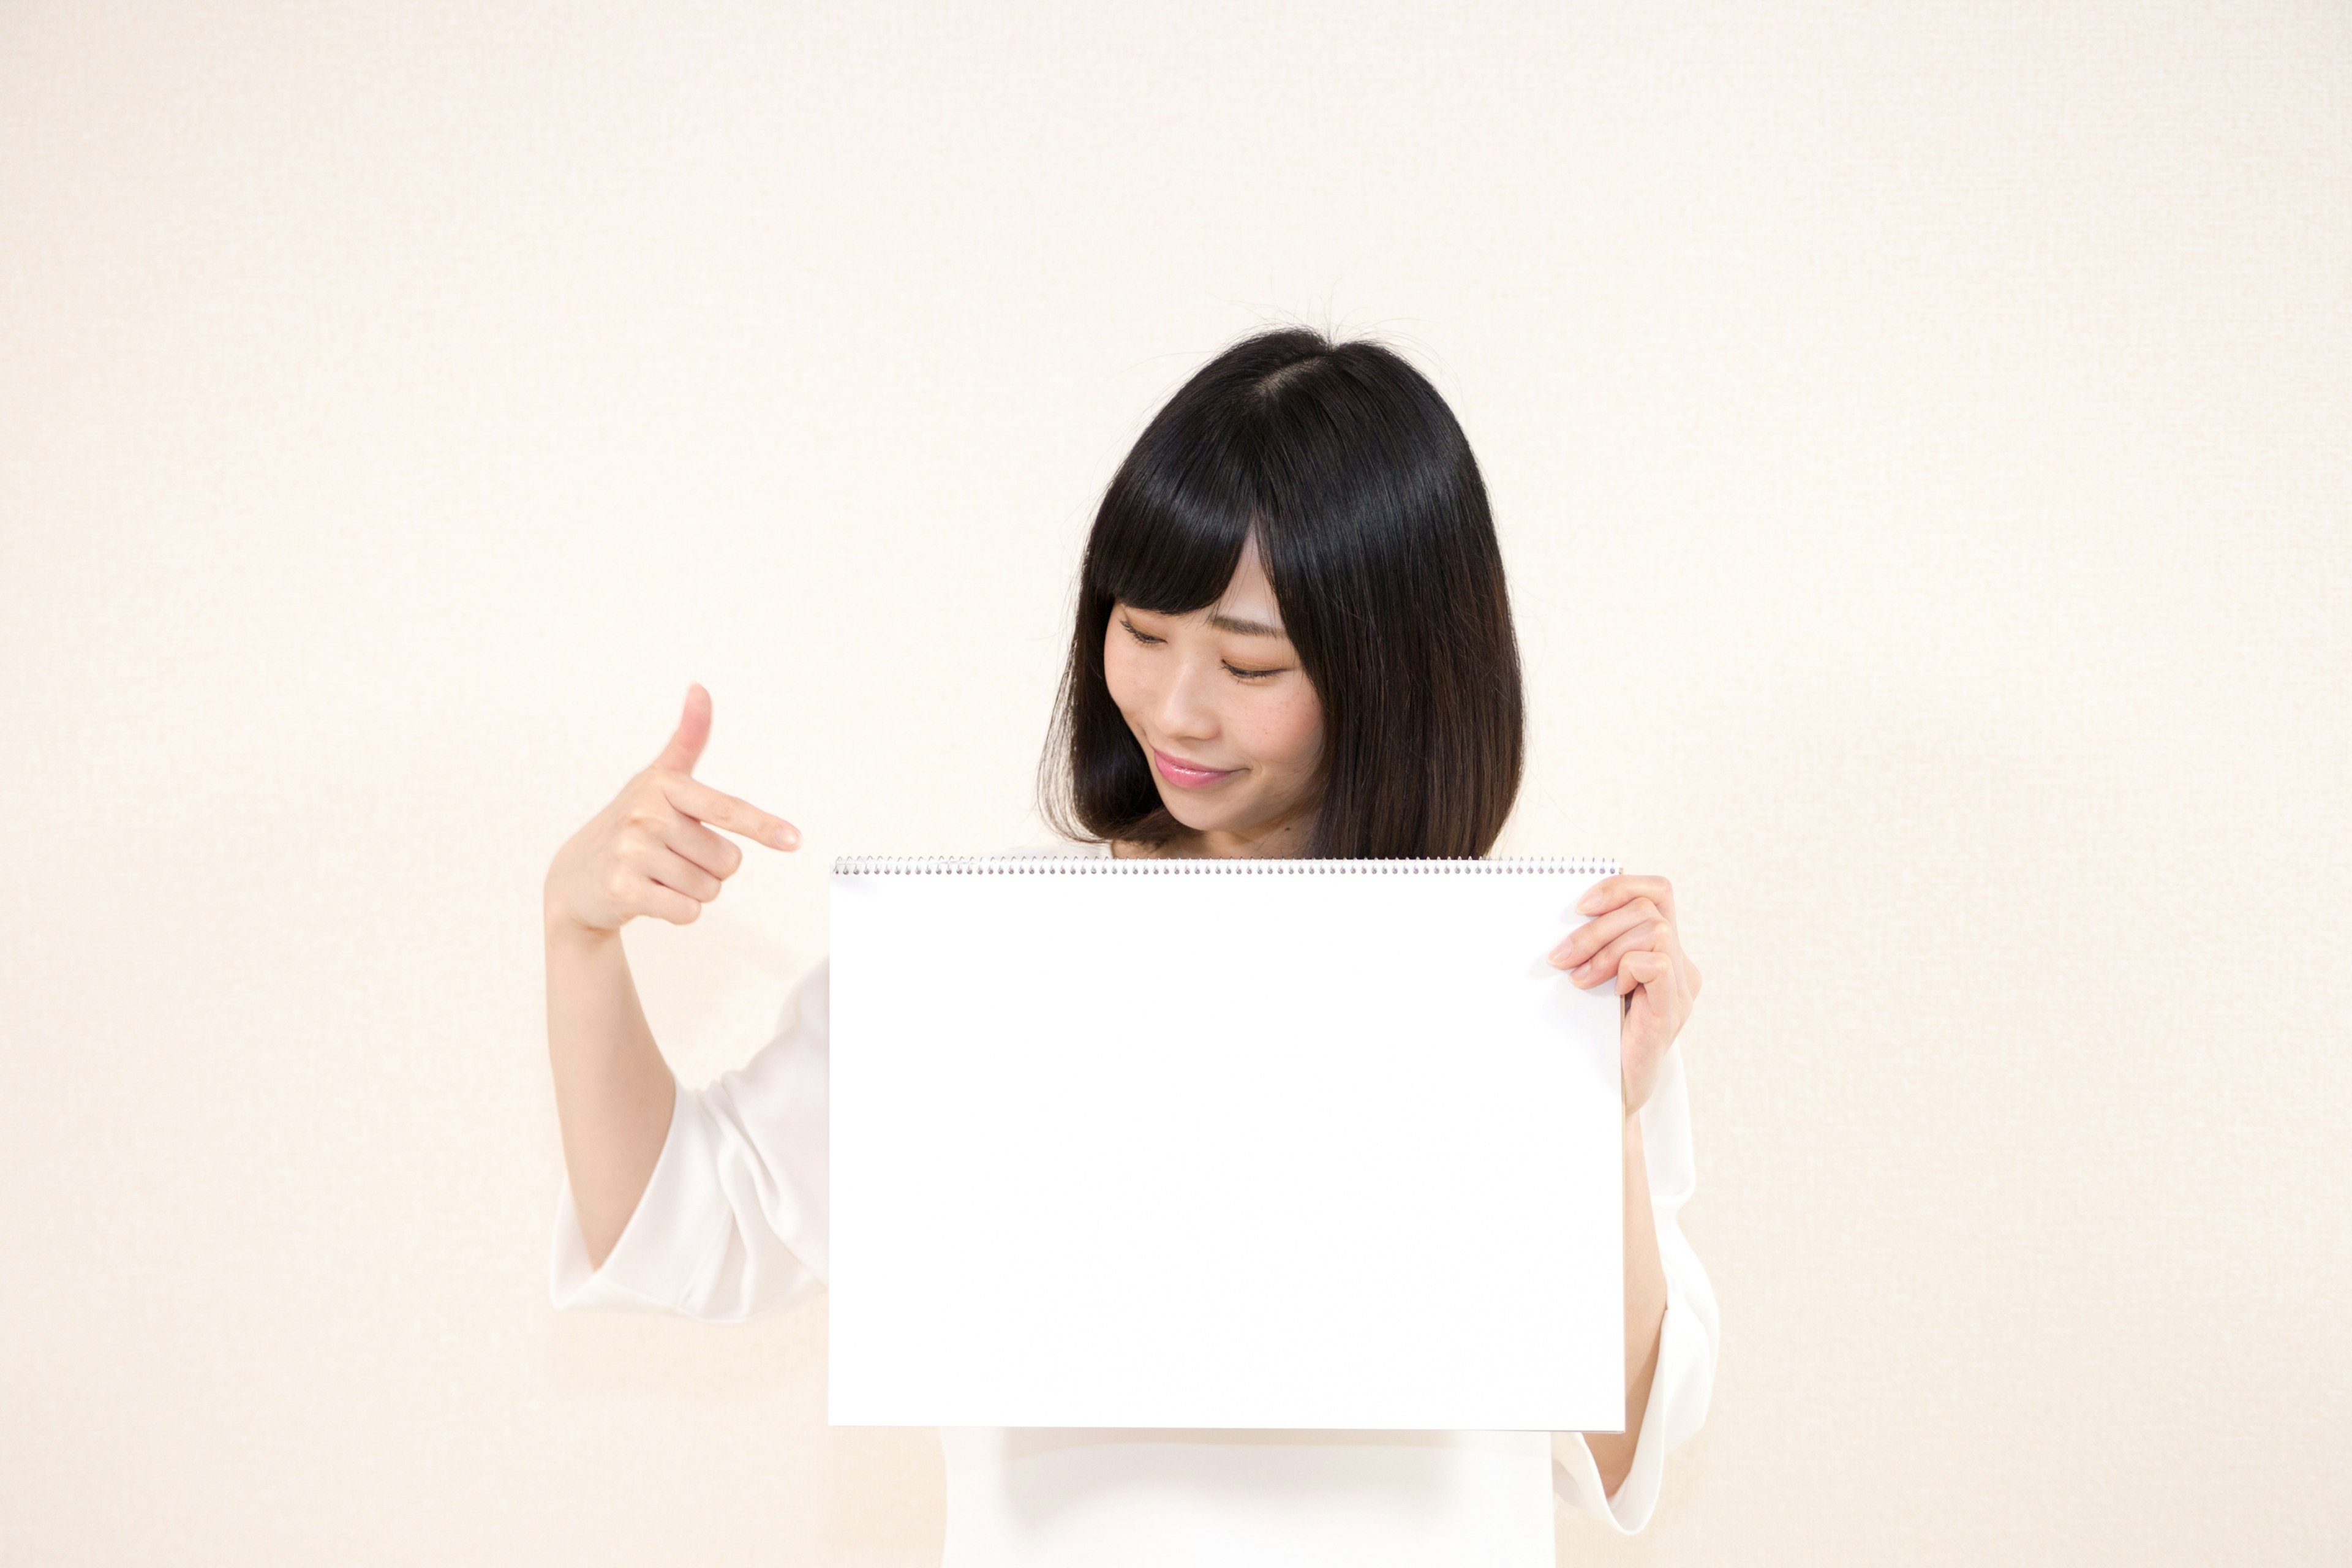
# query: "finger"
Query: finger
637,888
703,803
665,868
1610,891
1645,967
685,747
1655,934
704,848
669,904
1593,934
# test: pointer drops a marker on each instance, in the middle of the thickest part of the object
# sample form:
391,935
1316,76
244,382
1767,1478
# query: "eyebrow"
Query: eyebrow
1225,623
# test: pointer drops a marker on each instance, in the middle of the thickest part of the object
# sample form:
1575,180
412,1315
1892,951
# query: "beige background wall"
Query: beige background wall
1919,436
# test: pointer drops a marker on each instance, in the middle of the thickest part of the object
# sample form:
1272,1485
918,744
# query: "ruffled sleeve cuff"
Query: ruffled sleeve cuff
1678,1399
676,1233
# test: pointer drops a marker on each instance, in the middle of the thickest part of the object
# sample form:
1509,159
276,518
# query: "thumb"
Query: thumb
685,748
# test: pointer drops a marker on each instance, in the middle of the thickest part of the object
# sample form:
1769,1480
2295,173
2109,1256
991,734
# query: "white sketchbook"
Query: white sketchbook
1302,1144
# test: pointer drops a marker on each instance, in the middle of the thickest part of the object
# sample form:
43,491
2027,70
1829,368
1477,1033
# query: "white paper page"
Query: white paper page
1182,1145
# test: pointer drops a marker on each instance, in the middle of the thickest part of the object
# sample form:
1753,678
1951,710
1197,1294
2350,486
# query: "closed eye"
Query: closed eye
1149,640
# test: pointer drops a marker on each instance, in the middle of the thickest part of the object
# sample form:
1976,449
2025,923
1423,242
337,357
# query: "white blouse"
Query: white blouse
732,1226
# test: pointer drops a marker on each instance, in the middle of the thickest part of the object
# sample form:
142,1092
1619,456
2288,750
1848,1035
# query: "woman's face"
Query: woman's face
1228,720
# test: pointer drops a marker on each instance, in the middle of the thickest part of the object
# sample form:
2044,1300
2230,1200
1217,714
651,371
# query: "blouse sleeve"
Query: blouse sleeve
1684,1380
732,1222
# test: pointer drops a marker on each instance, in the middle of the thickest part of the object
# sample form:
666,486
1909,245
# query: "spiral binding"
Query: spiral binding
1090,865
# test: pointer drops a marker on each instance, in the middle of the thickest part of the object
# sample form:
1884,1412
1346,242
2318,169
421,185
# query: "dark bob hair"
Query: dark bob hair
1373,529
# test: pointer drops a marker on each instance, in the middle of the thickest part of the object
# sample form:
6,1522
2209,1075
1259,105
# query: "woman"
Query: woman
1293,640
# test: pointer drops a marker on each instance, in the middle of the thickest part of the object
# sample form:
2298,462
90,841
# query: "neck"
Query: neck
1284,839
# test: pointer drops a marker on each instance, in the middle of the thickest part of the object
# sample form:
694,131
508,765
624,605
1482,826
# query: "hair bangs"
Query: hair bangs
1170,534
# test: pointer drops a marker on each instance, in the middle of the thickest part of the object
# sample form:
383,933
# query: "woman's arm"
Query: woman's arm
1680,1386
730,1222
1645,1313
614,1092
1631,940
647,852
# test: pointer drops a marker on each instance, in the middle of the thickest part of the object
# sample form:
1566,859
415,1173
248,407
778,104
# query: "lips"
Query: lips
1186,774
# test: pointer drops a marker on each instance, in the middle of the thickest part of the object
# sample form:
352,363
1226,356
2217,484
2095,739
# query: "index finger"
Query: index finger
719,809
1610,891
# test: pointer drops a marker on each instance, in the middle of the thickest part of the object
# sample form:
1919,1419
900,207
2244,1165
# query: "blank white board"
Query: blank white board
1221,1143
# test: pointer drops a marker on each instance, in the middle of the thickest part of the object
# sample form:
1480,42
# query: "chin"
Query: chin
1193,814
1178,808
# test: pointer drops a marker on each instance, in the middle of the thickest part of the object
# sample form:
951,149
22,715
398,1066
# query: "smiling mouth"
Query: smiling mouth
1188,776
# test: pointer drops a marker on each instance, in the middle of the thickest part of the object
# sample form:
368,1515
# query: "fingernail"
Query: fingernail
1589,902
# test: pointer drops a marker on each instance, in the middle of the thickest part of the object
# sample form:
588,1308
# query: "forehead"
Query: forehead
1246,607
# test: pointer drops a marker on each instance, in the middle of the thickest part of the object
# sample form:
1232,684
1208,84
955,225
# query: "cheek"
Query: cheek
1119,674
1287,733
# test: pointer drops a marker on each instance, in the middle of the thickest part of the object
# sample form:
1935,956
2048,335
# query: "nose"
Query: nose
1187,708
